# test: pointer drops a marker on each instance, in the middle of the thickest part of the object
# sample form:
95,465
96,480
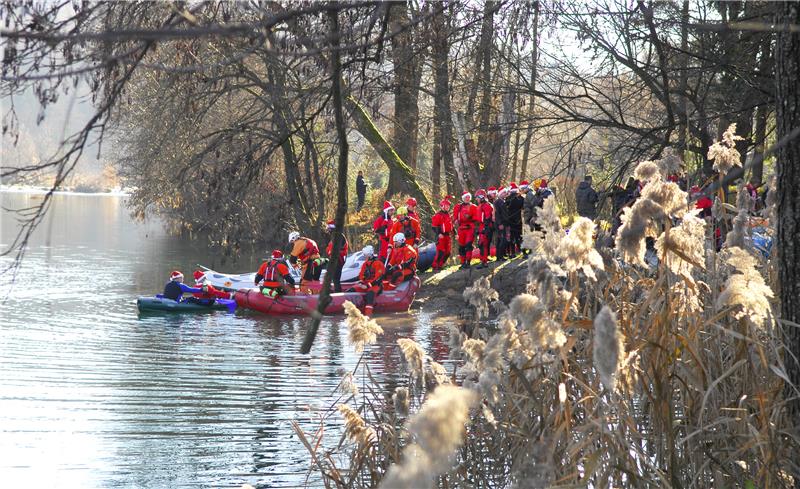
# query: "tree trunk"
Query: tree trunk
759,139
532,104
436,162
442,119
683,85
406,92
407,184
787,74
341,190
487,133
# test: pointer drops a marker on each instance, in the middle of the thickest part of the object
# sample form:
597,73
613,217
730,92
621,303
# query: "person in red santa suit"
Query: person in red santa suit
383,228
442,226
411,205
466,219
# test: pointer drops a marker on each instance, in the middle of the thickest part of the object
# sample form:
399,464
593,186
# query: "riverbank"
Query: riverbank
442,292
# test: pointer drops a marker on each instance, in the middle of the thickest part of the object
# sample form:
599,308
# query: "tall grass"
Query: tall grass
607,372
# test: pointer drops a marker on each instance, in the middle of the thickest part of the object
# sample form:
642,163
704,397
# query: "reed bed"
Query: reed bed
610,371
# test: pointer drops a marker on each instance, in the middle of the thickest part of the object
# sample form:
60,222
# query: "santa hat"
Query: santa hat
513,188
465,195
524,184
543,184
199,275
492,190
411,201
480,193
387,206
503,191
331,224
176,275
444,202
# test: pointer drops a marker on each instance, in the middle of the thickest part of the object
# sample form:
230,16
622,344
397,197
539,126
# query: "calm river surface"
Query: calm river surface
92,395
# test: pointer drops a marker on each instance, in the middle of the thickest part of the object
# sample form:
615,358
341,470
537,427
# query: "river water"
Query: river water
93,395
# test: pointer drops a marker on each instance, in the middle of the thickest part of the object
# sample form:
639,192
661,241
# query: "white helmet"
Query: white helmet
368,251
399,238
294,236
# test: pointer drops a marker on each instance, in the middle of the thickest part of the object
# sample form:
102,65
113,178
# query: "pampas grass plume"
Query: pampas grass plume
363,330
609,347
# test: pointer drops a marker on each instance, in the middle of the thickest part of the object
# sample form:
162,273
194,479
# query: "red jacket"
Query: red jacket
466,215
486,215
404,257
382,227
342,252
371,271
409,227
442,223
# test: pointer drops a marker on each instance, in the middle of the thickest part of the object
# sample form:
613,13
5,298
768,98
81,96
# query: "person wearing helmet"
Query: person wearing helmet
486,229
407,225
466,219
305,253
370,278
382,227
273,277
442,226
411,205
502,224
337,275
402,262
175,288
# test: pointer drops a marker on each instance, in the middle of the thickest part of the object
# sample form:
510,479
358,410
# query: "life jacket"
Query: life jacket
172,290
487,214
404,257
466,215
408,229
371,270
273,275
310,250
441,223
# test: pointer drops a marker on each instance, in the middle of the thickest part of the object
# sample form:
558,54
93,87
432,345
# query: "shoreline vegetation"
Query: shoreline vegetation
583,366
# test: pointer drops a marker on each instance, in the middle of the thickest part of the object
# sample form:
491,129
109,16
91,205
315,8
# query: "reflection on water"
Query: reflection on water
93,395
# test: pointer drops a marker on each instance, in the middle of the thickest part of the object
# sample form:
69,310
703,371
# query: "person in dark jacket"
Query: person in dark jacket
621,198
586,197
503,225
361,190
542,193
515,204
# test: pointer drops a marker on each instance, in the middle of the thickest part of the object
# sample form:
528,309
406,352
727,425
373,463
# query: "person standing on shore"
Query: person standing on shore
586,199
361,190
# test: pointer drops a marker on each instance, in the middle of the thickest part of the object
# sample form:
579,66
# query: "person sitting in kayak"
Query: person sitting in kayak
175,288
402,263
273,276
407,225
211,293
337,278
370,278
305,251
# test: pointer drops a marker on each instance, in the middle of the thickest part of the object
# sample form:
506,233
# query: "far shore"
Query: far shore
24,189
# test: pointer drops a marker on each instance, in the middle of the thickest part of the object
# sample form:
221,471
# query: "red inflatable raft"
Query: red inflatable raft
398,300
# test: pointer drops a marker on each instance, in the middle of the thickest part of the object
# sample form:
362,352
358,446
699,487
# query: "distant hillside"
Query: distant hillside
38,142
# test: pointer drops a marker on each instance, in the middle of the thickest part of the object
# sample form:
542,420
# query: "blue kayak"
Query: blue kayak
160,304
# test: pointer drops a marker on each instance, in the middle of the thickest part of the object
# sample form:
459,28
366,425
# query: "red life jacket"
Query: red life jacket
273,274
466,215
310,250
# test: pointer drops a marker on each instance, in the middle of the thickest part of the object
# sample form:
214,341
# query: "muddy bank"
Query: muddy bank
442,292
